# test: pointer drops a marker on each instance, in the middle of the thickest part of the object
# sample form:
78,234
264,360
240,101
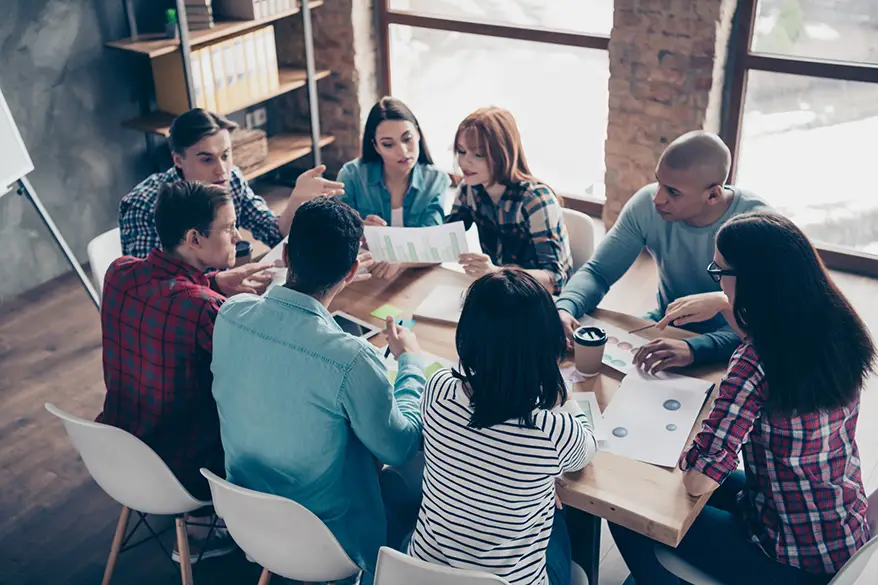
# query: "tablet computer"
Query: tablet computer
354,326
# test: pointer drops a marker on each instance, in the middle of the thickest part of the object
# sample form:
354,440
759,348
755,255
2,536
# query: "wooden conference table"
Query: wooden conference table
648,499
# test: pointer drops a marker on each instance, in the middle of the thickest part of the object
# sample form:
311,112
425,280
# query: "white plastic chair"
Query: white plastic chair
102,250
580,229
280,535
848,575
396,568
135,476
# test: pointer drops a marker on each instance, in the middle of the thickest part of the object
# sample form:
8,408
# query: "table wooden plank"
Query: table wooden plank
643,497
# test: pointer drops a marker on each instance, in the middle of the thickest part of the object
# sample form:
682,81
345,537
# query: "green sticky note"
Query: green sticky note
385,311
432,369
391,375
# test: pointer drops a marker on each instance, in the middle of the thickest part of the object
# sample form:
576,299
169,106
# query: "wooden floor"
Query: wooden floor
56,525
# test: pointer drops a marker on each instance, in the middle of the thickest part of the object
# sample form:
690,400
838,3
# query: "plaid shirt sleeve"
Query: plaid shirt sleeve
542,215
714,451
137,223
462,209
253,212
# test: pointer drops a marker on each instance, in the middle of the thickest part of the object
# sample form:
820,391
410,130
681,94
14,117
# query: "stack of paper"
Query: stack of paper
425,245
444,303
650,417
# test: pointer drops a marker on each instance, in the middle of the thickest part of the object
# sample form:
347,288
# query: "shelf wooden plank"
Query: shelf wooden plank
285,148
156,44
160,122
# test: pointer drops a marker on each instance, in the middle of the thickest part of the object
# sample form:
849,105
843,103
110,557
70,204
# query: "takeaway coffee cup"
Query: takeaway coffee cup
589,345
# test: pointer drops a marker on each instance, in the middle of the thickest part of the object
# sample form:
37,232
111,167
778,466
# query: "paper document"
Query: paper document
434,364
444,303
650,417
588,402
434,244
621,345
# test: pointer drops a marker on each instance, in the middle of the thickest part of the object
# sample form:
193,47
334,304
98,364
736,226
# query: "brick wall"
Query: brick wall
344,42
667,63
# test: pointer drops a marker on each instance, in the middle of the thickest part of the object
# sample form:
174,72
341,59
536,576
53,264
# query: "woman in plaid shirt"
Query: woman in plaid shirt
519,218
789,401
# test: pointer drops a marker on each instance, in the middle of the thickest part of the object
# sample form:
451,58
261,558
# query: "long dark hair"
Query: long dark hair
390,108
510,341
814,348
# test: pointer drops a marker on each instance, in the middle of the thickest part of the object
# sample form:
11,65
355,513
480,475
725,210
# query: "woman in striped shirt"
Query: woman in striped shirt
495,439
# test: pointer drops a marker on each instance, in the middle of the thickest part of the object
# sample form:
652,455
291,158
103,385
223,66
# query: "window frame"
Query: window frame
742,61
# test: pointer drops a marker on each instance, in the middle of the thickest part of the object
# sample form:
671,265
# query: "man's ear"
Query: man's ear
193,238
714,194
355,267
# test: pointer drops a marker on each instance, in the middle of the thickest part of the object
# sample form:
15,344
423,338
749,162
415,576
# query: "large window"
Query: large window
803,116
544,61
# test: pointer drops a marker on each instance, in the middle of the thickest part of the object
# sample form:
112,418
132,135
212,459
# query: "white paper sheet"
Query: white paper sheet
444,303
440,243
621,345
433,362
650,417
588,402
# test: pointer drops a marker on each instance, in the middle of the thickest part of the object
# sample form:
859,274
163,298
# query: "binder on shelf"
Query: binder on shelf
207,79
252,66
244,94
233,88
271,49
261,62
197,80
219,78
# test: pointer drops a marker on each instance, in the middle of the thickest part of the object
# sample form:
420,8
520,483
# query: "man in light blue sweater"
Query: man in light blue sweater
305,409
676,219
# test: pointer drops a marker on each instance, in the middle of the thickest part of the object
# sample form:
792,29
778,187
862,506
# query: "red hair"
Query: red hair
492,131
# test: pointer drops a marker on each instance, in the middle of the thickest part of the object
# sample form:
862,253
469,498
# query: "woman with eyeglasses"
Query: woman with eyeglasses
789,401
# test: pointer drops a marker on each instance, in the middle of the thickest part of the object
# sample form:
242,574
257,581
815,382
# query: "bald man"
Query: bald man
676,220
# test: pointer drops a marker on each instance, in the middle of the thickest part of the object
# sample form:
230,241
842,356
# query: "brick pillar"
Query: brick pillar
667,65
344,42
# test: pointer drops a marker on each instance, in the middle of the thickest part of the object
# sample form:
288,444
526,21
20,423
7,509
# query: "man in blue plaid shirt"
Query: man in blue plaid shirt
201,148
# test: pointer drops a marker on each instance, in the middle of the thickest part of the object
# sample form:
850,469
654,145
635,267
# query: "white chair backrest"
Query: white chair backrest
852,571
101,252
580,229
279,534
126,468
396,568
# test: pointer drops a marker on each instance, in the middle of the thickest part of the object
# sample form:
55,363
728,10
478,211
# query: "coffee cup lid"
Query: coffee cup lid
242,248
591,336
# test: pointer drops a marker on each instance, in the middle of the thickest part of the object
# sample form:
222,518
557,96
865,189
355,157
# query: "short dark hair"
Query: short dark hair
186,205
510,341
390,108
814,348
187,129
323,244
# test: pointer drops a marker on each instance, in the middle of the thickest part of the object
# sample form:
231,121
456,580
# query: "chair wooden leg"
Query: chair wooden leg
121,527
183,550
265,577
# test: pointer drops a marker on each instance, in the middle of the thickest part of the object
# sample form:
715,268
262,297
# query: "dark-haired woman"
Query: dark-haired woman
394,181
495,439
789,401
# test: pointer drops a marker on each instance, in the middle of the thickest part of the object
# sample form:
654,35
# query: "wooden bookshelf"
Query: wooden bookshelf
283,149
290,79
157,44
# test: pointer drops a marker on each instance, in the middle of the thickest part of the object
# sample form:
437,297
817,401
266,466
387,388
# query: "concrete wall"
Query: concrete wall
68,95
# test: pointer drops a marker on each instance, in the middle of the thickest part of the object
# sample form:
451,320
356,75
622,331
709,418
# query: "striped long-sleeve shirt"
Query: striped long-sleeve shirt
489,493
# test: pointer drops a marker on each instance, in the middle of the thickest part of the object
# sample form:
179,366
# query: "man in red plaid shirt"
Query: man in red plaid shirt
157,316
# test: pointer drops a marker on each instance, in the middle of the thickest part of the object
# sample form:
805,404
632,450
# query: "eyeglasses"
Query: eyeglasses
717,273
231,230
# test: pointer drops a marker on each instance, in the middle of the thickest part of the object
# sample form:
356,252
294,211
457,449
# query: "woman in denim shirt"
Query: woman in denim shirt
394,182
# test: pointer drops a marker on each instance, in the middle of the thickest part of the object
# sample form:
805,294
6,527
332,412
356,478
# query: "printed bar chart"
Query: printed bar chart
441,243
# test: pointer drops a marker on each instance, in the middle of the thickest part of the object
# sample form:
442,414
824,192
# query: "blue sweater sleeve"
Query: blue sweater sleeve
613,257
716,346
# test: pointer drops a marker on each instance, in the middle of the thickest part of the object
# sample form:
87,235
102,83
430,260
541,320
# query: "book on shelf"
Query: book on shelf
227,75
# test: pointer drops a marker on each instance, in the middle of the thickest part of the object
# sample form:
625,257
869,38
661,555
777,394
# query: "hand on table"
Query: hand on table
694,309
386,270
477,265
311,184
250,278
399,339
663,353
570,324
698,484
375,221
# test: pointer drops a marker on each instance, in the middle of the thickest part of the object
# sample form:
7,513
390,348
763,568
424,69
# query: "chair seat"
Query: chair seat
683,569
577,575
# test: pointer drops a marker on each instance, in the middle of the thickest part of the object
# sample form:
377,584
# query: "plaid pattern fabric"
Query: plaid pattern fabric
804,503
525,227
137,213
157,317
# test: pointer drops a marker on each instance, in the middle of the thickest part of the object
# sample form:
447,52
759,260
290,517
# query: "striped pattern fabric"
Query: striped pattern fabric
804,503
525,228
489,493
